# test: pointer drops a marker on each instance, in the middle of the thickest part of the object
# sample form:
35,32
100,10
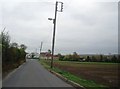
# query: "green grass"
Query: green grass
103,65
99,63
86,83
81,81
45,64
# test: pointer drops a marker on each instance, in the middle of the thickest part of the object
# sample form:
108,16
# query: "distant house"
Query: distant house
28,56
32,55
36,55
46,55
56,57
43,55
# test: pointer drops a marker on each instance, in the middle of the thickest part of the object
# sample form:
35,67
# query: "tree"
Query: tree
93,59
101,58
118,59
66,58
14,44
49,51
88,59
75,56
114,58
12,56
60,57
5,39
48,54
22,46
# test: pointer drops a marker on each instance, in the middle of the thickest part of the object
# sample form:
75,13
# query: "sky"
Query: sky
84,26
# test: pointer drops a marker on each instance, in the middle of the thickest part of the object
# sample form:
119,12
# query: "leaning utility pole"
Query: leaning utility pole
54,22
41,48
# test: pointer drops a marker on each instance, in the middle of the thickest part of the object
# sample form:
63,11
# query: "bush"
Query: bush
12,56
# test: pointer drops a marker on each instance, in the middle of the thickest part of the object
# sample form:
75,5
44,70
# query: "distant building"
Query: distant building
56,57
32,55
36,55
28,56
47,55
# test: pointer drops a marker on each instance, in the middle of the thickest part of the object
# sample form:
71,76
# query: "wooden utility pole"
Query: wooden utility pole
53,41
41,48
54,22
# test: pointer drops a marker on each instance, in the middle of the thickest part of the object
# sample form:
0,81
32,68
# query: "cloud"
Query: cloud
82,27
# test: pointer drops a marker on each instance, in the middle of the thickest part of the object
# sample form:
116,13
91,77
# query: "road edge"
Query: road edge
13,71
76,85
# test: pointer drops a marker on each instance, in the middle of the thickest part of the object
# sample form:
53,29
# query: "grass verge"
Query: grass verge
88,84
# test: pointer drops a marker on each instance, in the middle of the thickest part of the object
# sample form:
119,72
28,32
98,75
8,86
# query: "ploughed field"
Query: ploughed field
100,72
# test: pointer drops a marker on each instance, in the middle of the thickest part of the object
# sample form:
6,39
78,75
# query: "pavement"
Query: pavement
33,74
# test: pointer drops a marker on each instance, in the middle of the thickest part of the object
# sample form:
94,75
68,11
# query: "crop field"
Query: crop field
100,72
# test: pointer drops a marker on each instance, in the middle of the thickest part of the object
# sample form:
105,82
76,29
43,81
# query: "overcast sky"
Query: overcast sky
82,27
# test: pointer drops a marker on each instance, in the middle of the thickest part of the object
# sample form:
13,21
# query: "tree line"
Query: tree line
13,55
89,58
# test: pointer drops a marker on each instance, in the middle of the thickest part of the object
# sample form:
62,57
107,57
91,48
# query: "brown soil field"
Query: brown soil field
102,73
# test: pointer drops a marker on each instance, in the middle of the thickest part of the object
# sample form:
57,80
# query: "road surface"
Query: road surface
33,74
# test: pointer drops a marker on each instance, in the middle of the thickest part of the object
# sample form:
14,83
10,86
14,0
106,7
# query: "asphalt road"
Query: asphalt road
33,74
